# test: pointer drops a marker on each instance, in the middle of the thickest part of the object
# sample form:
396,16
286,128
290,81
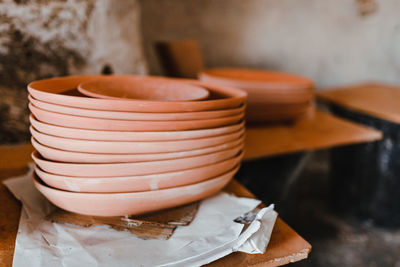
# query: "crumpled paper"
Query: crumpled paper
211,235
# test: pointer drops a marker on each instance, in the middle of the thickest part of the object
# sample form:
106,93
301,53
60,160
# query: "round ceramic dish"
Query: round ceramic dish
257,117
266,98
129,125
272,96
275,115
63,90
279,107
120,115
74,133
120,204
254,78
263,94
115,147
263,86
151,89
78,157
138,183
135,168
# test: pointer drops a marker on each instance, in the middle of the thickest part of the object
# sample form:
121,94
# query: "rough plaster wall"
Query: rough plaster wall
41,38
329,41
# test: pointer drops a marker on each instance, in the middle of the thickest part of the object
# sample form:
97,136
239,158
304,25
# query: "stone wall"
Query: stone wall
46,38
335,42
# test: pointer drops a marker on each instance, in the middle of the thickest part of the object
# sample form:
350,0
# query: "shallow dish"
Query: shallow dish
138,183
153,89
63,91
266,98
272,96
120,204
255,77
135,168
115,147
79,157
129,125
145,116
98,135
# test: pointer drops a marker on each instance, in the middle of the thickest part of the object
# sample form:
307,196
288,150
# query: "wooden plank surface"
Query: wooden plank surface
323,131
374,99
285,245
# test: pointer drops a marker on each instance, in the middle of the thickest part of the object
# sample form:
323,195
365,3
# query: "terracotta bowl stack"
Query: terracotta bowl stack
127,145
272,96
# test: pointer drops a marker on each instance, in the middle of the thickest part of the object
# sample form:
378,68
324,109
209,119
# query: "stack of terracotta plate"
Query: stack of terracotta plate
124,145
272,96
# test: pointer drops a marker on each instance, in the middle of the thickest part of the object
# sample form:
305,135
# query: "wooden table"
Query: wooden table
323,131
285,245
367,175
373,99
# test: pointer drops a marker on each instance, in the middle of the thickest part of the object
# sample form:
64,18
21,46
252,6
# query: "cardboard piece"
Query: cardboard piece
157,225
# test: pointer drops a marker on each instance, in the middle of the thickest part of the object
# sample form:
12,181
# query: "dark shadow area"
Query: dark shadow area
337,240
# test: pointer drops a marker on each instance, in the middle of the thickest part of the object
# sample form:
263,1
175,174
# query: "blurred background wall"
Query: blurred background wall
40,38
333,42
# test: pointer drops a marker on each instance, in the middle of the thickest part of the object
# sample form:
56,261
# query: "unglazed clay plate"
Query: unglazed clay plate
120,204
263,86
141,116
115,147
97,135
152,89
272,96
129,125
78,157
255,77
138,183
64,91
135,168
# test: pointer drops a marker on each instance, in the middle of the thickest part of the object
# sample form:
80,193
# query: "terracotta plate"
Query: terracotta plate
115,147
135,168
79,157
63,91
74,133
138,183
255,77
267,98
129,125
153,89
121,115
120,204
263,86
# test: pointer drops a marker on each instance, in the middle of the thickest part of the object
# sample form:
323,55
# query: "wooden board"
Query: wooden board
157,225
181,59
374,99
324,130
285,245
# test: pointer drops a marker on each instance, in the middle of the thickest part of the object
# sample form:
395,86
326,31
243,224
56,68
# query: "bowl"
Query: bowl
89,123
132,168
132,203
64,90
131,147
152,89
121,115
272,96
98,135
254,78
117,184
80,157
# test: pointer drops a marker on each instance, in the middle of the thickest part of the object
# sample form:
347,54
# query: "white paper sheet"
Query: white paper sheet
212,235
